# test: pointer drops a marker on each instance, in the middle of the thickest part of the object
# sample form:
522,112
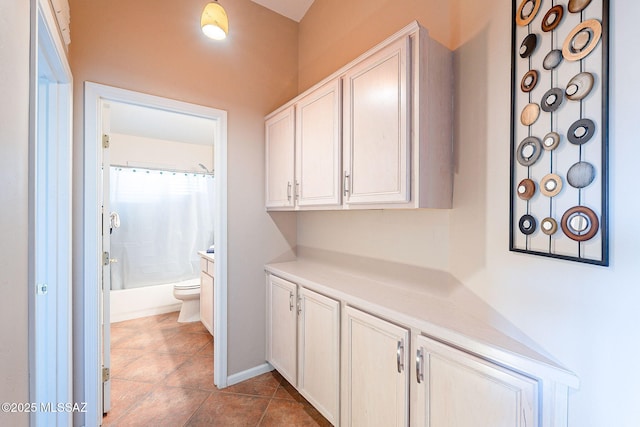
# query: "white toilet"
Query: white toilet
188,292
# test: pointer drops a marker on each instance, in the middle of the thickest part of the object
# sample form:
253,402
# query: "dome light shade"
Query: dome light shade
214,21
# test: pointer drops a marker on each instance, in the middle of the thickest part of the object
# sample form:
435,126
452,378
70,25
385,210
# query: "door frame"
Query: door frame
94,95
50,164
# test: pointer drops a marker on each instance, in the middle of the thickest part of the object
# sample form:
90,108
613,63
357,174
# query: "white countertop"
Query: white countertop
430,301
210,257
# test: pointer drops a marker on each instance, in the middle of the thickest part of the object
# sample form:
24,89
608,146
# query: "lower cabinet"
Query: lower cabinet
206,293
375,381
303,343
457,389
281,327
358,369
319,352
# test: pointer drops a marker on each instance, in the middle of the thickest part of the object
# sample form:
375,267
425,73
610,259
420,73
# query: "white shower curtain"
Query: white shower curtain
165,219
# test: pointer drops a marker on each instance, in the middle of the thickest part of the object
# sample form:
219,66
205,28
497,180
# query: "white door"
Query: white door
319,352
377,127
375,381
106,262
281,327
318,118
279,155
457,389
50,167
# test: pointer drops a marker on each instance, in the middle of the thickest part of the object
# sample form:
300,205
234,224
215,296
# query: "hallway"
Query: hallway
162,374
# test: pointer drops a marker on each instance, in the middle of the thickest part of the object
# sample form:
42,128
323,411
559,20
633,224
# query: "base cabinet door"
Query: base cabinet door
457,389
206,301
281,327
375,380
319,352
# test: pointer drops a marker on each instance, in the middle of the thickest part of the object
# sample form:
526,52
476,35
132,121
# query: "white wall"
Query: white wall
129,150
586,317
14,152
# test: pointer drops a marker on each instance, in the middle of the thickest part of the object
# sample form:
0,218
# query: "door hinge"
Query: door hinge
105,141
105,258
106,374
41,289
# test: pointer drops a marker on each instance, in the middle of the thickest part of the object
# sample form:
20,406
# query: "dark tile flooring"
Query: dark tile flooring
162,375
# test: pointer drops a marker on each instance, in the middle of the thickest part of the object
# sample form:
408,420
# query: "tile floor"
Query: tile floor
162,375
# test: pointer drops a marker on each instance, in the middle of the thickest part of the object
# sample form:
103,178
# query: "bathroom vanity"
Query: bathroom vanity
207,264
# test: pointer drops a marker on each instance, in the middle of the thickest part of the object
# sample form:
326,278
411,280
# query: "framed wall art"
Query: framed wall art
559,129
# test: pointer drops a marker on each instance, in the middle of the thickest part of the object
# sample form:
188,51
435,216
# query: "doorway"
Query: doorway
49,221
96,97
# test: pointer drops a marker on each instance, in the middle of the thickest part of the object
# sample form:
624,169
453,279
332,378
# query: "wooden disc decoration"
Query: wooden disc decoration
579,86
581,131
527,224
579,223
576,6
581,174
551,185
529,151
530,114
550,141
551,100
549,226
552,59
582,40
528,45
529,81
526,189
552,18
527,10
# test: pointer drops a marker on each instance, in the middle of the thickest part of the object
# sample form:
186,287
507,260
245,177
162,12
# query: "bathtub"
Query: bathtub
127,304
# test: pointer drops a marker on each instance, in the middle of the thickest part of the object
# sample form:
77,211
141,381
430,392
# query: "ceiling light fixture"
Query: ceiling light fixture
214,21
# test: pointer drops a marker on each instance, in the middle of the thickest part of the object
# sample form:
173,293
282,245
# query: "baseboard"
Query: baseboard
249,373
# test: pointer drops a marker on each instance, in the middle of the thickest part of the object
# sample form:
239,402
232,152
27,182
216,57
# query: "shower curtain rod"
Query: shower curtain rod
162,170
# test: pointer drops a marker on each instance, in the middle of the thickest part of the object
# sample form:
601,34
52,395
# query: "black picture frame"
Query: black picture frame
566,218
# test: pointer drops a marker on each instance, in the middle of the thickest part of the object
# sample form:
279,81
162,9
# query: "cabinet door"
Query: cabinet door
206,301
318,147
375,380
279,155
377,127
319,352
281,327
457,389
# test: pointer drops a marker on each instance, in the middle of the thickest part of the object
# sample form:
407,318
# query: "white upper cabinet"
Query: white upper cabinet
377,127
457,389
392,125
279,155
318,147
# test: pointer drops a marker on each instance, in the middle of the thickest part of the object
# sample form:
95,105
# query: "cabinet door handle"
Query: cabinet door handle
297,190
299,305
400,356
346,184
289,191
420,365
290,301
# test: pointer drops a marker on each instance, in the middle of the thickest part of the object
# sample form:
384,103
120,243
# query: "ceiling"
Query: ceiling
147,122
292,9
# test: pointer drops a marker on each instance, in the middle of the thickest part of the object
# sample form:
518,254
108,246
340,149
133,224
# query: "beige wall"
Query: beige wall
333,32
14,155
156,47
585,317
